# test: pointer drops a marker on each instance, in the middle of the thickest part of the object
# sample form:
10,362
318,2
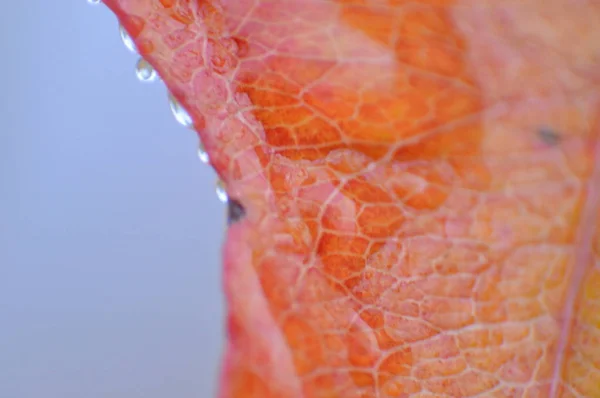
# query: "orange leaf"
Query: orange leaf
421,188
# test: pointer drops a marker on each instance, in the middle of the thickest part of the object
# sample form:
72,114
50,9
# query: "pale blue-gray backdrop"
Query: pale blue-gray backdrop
110,230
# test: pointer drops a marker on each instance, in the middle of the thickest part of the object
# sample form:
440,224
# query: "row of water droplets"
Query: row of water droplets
146,73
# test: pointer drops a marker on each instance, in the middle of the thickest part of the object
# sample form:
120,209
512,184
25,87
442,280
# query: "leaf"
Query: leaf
420,185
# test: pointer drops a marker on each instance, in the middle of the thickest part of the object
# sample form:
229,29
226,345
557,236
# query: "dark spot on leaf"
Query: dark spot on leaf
235,211
549,136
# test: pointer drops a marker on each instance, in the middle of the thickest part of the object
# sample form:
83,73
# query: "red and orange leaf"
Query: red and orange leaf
421,183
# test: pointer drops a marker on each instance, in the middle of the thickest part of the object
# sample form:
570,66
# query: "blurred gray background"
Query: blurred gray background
110,230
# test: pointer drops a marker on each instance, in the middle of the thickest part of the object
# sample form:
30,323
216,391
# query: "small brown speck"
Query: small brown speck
235,211
549,136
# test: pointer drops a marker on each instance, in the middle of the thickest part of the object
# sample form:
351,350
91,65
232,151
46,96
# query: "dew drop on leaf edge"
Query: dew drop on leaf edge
127,40
202,154
221,192
180,114
144,71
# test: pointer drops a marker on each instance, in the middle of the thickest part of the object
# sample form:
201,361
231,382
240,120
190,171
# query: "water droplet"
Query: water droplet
180,114
221,192
144,71
94,2
127,40
202,154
